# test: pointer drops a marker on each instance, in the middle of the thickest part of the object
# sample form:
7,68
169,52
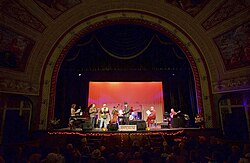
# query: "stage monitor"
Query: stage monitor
139,95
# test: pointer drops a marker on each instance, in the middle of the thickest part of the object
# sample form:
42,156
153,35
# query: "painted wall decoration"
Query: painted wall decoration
234,47
56,7
15,10
224,12
235,84
192,7
22,87
14,49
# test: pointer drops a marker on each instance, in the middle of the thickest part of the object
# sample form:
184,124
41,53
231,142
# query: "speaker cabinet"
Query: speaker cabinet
164,125
141,125
86,126
178,122
112,127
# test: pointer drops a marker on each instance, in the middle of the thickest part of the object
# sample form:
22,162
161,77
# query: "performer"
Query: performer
72,116
92,114
104,113
126,113
115,114
172,114
151,116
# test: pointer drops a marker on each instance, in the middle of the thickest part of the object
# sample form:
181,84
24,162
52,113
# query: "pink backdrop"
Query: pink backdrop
139,95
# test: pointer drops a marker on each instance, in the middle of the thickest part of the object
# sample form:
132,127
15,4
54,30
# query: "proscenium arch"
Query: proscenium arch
171,30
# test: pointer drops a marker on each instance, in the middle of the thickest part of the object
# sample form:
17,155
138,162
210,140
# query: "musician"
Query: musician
72,116
115,114
73,110
104,113
172,114
151,116
126,113
92,114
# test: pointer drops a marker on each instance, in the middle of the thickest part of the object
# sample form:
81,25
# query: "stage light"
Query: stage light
104,129
79,74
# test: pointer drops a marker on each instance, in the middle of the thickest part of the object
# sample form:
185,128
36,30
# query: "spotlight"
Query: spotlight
173,74
79,74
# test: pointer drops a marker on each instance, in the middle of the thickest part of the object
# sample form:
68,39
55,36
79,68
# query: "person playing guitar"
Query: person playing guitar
104,113
126,112
172,114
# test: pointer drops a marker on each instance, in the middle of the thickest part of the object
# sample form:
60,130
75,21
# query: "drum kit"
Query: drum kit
133,115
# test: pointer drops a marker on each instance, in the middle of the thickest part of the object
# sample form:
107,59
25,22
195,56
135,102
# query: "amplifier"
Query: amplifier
141,125
178,122
86,125
164,125
112,127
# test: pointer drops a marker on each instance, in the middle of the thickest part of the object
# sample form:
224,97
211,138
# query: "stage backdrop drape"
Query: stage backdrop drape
139,95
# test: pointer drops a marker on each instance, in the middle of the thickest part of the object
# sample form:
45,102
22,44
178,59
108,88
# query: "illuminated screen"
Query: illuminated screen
139,95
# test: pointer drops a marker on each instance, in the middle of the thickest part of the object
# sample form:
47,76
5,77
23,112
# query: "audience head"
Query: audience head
96,154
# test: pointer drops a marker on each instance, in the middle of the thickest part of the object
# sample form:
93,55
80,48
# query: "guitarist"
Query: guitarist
92,114
104,113
126,113
172,114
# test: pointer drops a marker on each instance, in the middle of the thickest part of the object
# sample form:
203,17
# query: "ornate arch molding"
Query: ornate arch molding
58,52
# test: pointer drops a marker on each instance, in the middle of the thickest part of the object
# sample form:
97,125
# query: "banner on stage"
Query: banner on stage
127,128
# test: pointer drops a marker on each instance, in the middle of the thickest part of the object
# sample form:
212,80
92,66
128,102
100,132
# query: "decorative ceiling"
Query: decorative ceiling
30,29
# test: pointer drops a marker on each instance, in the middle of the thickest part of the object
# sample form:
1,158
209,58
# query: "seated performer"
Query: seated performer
151,116
104,113
72,116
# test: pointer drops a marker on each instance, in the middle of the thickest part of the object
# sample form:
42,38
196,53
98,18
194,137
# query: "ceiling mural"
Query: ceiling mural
17,11
14,49
192,7
234,47
225,11
56,7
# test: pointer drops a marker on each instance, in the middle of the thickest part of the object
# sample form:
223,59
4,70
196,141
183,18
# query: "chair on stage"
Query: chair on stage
153,123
